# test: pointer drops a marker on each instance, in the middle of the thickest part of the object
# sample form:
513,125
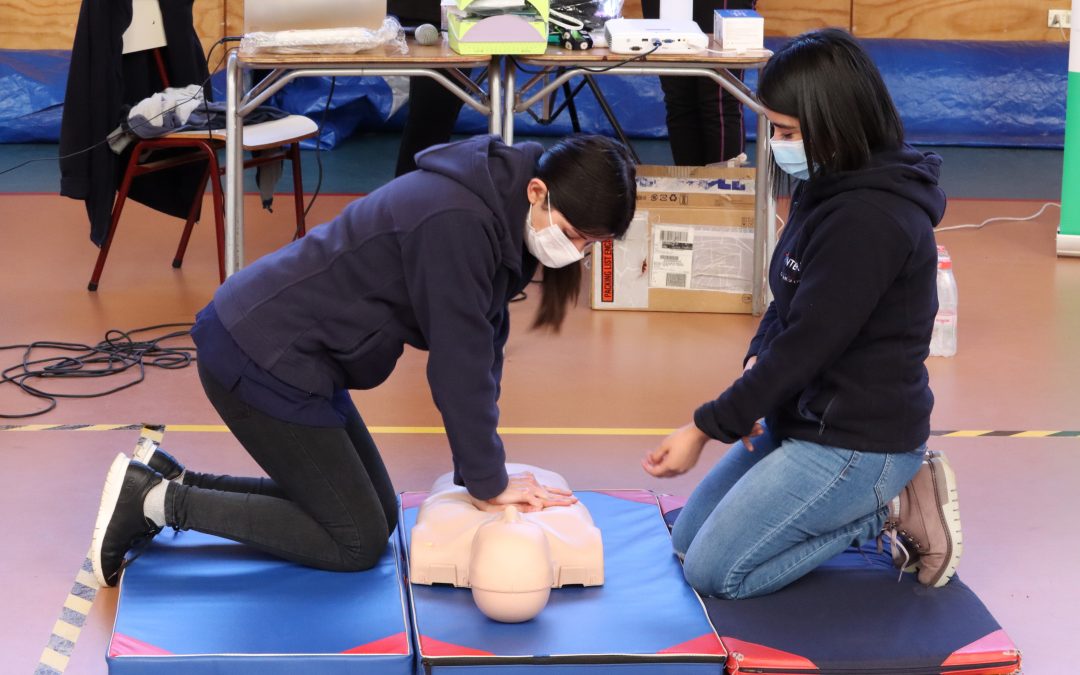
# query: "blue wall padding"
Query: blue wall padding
948,93
970,93
977,93
32,87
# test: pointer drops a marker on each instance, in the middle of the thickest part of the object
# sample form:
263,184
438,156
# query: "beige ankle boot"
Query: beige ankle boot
925,520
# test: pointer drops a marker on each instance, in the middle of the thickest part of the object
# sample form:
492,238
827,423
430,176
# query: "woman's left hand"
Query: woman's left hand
677,454
524,492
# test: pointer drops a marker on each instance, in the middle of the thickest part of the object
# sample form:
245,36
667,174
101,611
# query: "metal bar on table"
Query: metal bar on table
610,114
739,90
253,102
262,84
238,106
467,82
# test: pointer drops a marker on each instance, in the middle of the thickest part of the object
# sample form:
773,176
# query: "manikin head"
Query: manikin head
510,570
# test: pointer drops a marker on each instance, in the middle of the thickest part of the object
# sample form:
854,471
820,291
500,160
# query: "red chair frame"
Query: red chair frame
202,149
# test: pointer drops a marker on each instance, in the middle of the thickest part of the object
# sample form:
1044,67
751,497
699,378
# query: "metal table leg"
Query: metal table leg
495,97
234,168
764,215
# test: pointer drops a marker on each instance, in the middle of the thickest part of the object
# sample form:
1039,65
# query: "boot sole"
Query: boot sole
110,495
949,503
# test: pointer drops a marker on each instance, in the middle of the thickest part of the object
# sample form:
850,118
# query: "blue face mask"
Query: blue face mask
791,157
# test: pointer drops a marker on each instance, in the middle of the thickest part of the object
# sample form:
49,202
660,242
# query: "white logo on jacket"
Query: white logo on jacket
790,269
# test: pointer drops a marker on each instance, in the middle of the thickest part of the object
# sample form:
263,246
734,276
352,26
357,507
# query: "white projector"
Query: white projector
635,36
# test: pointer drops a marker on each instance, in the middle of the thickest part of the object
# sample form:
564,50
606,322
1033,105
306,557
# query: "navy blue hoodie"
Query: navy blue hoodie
841,349
429,260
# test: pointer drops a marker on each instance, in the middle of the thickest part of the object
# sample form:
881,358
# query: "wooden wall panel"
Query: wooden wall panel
234,17
210,23
38,24
50,24
956,19
791,17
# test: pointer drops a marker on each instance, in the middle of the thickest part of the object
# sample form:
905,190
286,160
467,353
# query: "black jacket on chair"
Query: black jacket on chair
102,83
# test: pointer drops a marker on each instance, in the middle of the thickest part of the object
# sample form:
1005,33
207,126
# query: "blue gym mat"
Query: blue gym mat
644,619
200,605
852,615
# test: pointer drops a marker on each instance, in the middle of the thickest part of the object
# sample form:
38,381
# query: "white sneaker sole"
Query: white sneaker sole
110,495
949,504
144,451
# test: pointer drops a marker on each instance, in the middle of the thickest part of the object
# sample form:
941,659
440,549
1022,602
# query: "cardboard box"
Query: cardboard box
690,247
739,29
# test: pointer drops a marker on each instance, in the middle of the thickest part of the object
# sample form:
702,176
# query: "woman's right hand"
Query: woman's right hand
677,454
524,492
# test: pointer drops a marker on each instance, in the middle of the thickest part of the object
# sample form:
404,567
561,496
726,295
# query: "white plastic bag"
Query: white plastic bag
326,40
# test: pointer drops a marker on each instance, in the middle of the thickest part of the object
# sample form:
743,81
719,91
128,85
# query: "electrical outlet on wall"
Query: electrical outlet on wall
1059,18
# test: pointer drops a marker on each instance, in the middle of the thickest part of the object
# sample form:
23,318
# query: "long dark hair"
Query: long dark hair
826,80
591,181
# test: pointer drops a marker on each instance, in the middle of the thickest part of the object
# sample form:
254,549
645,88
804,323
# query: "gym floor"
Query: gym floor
587,403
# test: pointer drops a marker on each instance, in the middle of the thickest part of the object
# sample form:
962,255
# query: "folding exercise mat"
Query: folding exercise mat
852,615
200,605
644,619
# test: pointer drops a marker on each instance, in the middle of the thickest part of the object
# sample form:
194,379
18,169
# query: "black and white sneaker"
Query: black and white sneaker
120,524
150,453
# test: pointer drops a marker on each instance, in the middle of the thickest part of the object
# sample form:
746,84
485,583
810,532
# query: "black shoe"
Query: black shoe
120,522
151,454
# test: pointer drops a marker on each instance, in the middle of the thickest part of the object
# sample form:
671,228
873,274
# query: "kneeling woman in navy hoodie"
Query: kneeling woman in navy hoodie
430,260
836,370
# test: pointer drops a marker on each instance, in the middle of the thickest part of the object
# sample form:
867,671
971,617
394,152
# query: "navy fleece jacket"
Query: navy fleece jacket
841,349
430,260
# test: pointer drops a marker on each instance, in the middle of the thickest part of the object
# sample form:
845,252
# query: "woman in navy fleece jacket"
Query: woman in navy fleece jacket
430,260
836,368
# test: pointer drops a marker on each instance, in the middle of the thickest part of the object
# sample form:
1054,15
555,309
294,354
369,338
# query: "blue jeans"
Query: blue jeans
762,519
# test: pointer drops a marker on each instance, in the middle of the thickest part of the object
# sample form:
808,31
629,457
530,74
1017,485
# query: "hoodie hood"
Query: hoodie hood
498,174
906,172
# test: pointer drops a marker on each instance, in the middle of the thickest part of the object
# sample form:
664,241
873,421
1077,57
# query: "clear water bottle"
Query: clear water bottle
943,339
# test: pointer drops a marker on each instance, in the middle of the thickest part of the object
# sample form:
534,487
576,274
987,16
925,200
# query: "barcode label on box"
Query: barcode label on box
675,280
677,239
672,259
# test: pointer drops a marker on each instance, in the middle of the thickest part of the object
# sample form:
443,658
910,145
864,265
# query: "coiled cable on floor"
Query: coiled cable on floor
118,353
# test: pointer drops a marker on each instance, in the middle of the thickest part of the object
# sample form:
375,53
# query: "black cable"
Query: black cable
106,139
635,57
318,150
116,354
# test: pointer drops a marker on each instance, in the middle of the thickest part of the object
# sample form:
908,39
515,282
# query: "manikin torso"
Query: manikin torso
511,560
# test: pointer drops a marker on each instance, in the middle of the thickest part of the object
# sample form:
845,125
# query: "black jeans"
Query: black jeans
433,112
704,124
328,501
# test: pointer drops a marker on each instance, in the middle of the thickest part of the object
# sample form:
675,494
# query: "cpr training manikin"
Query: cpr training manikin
510,559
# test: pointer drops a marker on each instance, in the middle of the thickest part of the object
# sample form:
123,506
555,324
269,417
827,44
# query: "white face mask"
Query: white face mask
791,157
550,245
